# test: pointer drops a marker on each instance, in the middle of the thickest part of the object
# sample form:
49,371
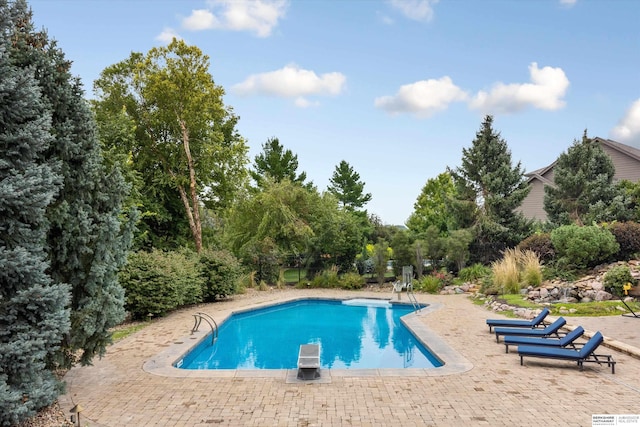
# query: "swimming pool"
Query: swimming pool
353,334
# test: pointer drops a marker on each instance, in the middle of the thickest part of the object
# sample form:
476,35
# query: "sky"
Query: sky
396,88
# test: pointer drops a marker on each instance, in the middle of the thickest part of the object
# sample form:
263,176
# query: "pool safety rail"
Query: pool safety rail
198,318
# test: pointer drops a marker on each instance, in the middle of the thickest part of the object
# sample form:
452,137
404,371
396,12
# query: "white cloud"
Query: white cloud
568,3
418,10
200,19
259,16
167,35
305,103
628,129
546,90
292,81
423,98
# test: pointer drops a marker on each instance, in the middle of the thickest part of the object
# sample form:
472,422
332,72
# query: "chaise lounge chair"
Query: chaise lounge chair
516,323
585,354
567,340
552,329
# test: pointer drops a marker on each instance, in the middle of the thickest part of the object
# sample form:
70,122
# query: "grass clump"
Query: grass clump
125,330
516,269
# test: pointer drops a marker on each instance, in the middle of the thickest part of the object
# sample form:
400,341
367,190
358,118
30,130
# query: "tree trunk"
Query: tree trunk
192,206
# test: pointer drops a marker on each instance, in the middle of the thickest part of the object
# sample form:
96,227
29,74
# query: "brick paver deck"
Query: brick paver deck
496,391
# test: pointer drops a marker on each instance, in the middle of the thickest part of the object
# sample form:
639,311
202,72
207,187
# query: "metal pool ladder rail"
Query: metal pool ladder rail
198,318
412,298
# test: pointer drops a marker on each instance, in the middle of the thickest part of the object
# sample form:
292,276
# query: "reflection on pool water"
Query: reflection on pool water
356,334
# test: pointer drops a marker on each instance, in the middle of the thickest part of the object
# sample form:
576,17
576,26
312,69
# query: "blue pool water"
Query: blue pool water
355,334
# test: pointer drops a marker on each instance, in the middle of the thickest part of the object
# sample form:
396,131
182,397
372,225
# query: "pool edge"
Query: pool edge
163,363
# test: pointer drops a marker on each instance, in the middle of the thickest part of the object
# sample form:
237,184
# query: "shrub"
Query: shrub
351,281
583,247
627,235
157,282
326,279
473,273
429,283
616,278
540,244
220,272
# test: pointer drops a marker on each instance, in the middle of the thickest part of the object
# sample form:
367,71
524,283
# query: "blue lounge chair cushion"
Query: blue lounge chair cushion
543,341
516,323
585,354
549,330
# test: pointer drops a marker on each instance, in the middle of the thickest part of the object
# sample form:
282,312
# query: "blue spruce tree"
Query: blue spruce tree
89,235
33,313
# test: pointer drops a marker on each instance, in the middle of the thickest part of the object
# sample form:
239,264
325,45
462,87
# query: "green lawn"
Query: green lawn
291,275
600,308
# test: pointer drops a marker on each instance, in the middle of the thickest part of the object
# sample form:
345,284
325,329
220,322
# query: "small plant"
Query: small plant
430,284
263,286
616,278
351,281
473,273
326,279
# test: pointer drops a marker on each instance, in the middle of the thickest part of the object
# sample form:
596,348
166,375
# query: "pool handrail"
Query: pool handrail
198,317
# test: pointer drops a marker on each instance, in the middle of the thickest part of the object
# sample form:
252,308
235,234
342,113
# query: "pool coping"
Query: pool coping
162,364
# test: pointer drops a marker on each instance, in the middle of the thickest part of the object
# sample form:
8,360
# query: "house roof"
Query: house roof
626,149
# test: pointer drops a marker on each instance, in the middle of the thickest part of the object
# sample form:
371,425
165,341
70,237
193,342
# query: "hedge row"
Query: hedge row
586,246
158,282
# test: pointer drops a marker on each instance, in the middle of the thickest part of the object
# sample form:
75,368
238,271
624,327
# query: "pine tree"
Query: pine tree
488,179
88,243
583,178
277,163
345,184
33,316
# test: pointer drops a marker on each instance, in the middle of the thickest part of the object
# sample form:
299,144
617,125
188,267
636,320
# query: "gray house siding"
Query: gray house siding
626,167
531,207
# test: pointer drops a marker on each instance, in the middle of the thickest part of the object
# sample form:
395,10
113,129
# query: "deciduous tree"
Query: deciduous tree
432,206
186,144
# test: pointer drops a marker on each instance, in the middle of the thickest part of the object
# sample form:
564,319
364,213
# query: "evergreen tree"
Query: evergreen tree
488,179
88,243
278,164
345,184
33,313
583,178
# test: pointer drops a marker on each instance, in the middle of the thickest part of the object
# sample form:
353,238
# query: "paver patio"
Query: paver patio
495,391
